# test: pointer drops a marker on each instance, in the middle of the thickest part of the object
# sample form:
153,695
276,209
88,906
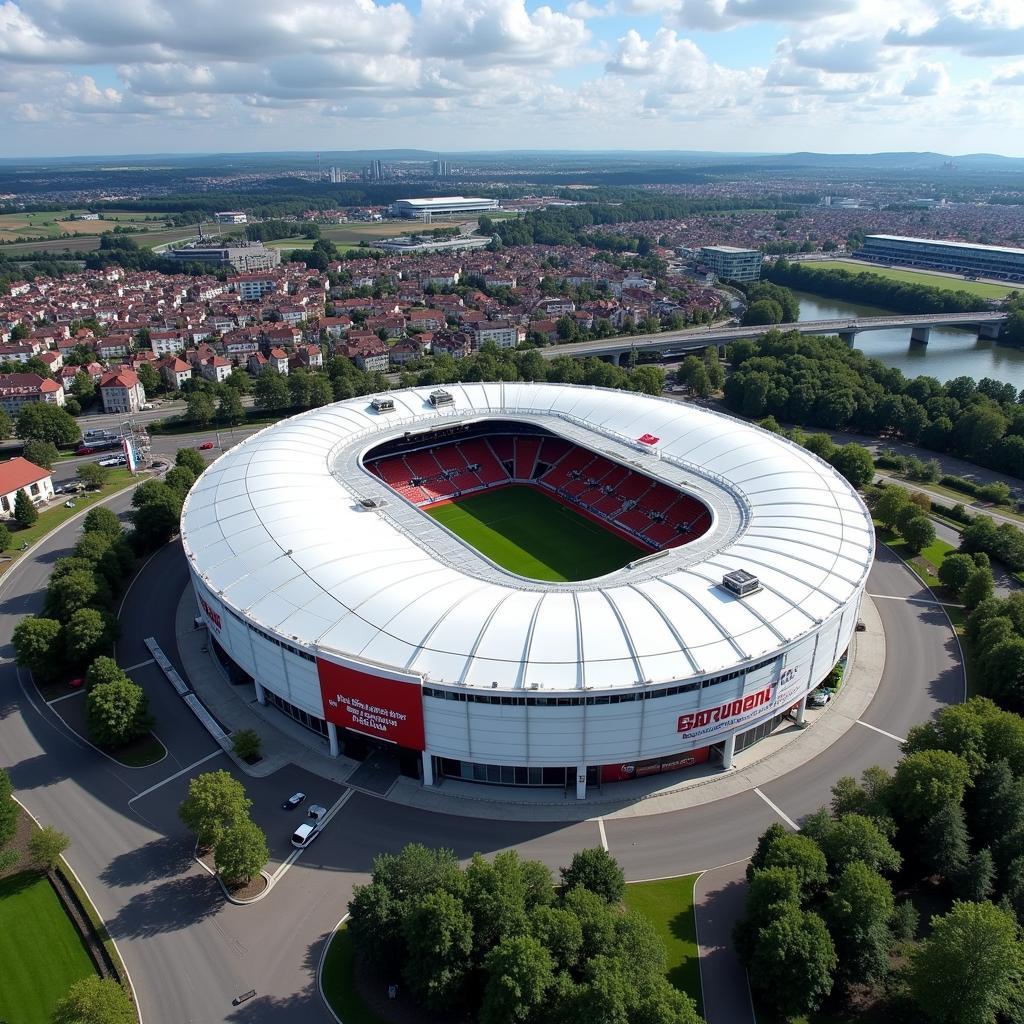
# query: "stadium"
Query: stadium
527,584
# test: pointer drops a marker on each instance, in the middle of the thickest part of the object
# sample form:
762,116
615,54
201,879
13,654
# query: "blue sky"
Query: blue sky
114,76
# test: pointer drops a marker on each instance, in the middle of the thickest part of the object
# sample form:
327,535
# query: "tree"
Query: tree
230,409
968,969
977,880
87,634
980,586
246,744
560,933
240,851
83,387
519,973
793,962
854,837
6,426
41,453
37,646
320,391
438,935
149,378
190,459
95,1000
216,801
45,847
918,533
956,570
74,590
854,462
271,390
944,849
770,891
238,380
25,512
858,913
927,781
44,422
5,537
200,409
180,480
800,854
102,520
117,713
892,501
156,516
91,475
595,869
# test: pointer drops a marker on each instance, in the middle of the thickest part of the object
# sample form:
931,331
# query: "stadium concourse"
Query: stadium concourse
393,571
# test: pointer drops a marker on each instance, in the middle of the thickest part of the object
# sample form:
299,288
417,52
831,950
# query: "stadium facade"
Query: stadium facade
323,582
441,206
936,254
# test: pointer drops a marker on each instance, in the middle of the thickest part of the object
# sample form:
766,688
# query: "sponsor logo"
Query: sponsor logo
740,706
211,614
648,439
627,769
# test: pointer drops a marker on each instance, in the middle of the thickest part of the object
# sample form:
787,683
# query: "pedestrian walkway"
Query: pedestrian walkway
718,902
285,741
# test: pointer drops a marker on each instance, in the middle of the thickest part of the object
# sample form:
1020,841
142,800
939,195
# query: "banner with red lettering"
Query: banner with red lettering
726,717
622,772
388,709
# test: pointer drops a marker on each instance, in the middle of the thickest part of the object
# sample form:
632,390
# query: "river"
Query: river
949,353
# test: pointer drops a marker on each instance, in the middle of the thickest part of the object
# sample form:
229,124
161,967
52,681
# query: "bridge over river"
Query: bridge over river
988,323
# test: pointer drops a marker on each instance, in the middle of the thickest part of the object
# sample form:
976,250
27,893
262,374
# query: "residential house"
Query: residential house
19,474
174,371
122,391
217,369
278,360
20,389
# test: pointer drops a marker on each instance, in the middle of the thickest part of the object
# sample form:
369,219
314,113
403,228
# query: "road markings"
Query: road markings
604,838
874,728
915,600
57,700
176,775
141,664
778,810
296,854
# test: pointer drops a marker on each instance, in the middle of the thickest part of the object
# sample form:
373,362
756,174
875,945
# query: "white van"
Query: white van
304,835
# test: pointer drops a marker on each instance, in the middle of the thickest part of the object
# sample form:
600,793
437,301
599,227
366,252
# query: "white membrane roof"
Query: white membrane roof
276,530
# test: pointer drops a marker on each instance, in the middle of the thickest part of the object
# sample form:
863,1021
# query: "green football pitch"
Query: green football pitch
528,533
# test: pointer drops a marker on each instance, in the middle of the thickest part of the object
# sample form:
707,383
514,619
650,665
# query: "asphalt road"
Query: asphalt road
190,953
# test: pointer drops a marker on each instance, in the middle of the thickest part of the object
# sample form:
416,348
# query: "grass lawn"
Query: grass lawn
58,514
339,988
40,949
668,905
290,243
528,533
958,284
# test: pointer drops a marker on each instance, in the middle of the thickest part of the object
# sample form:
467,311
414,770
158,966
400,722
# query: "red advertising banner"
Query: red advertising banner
648,439
388,709
638,769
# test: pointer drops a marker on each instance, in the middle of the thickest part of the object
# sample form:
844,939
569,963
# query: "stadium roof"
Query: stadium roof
276,528
442,201
976,246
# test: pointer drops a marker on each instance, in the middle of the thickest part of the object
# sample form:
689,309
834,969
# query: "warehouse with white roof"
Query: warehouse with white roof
441,206
359,616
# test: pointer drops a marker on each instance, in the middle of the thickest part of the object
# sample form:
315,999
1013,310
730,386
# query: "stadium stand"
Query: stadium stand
650,512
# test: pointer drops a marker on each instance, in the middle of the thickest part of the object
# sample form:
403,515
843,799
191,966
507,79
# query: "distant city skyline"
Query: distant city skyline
850,76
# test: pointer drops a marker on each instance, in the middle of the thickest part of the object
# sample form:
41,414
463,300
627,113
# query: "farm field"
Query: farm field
528,533
979,288
52,224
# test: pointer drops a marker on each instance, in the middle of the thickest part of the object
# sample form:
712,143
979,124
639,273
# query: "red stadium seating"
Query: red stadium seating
658,516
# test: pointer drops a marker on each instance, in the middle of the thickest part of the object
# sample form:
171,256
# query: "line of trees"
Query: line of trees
946,828
814,381
873,289
499,943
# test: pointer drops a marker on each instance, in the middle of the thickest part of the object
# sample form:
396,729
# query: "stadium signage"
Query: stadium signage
732,712
648,439
388,709
213,616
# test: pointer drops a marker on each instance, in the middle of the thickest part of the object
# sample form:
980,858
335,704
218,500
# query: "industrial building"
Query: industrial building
241,257
231,217
441,206
385,628
728,263
936,254
415,243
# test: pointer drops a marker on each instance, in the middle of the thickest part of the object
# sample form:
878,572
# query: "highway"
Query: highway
190,953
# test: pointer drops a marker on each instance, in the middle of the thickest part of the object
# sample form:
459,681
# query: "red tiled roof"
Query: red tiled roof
18,472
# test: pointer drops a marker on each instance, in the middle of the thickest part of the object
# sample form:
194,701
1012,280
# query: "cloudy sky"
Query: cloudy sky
133,76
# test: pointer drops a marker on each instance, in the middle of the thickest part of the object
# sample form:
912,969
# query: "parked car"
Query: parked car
317,813
69,503
819,698
76,684
304,835
293,801
114,460
205,446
